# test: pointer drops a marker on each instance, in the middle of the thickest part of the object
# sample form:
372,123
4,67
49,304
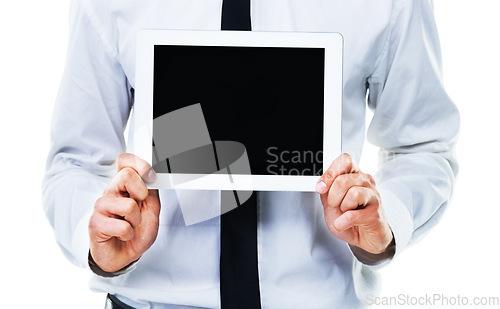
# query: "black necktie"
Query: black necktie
239,278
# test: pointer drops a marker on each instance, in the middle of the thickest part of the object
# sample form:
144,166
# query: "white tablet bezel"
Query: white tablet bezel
142,121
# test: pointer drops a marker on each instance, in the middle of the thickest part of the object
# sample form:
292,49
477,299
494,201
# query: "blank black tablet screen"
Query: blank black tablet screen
269,99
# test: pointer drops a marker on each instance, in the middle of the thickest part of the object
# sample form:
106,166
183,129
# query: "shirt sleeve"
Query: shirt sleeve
90,114
415,124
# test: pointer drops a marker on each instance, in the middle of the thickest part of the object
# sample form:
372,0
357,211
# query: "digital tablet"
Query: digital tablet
237,110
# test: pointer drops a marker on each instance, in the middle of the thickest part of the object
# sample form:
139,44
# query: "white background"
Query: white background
459,257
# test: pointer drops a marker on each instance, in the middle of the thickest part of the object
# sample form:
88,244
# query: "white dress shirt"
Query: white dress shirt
391,48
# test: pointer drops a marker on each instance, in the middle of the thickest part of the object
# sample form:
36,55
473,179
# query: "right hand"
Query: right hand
125,220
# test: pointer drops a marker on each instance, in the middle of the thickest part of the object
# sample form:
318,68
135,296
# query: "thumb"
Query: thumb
343,164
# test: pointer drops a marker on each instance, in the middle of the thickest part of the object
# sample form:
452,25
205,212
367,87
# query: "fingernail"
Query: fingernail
321,187
151,175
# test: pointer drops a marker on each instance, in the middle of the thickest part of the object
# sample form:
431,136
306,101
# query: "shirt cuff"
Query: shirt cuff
399,218
371,259
81,242
98,271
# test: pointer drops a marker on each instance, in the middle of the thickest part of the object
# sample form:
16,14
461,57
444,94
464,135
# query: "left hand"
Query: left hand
352,206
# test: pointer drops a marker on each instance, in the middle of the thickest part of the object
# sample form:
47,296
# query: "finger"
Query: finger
128,181
343,164
359,197
139,165
343,183
121,208
153,202
104,228
360,217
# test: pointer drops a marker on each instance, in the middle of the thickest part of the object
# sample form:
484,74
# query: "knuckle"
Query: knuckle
144,193
347,160
354,177
355,194
130,206
329,175
124,229
342,181
139,192
122,157
99,204
127,174
120,161
375,216
331,201
370,179
143,168
95,224
92,223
